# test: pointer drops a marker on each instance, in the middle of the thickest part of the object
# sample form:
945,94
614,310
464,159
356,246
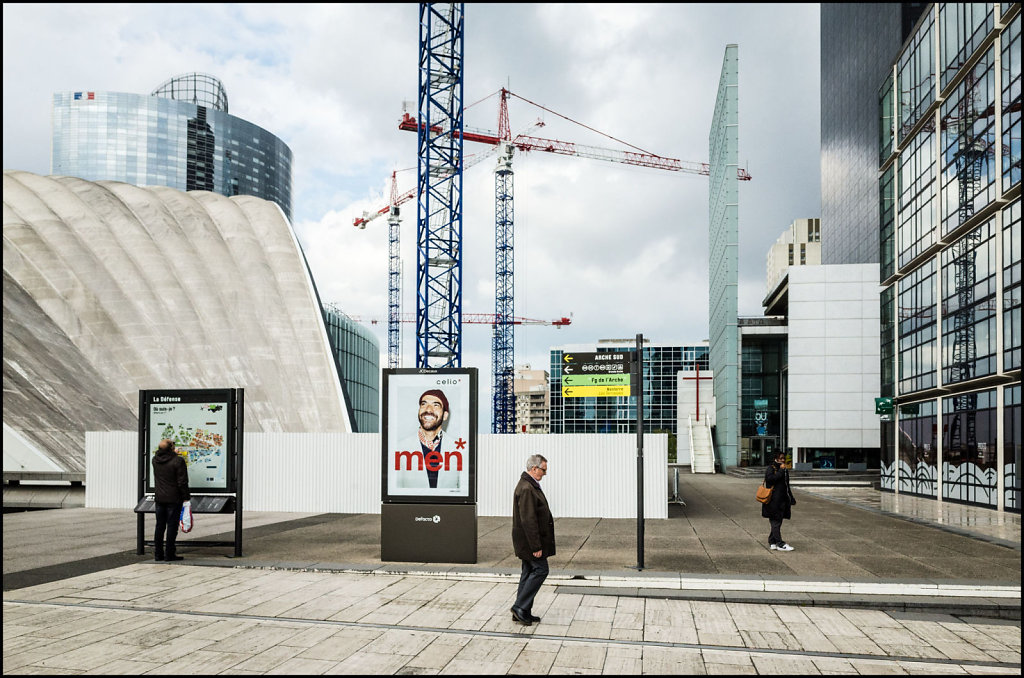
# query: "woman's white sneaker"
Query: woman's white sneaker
784,547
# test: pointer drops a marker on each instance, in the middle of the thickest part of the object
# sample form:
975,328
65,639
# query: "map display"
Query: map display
200,433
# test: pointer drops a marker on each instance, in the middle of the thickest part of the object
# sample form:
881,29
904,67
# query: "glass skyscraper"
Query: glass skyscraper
618,414
949,186
180,136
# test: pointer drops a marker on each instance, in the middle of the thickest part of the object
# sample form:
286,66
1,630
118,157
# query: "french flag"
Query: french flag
90,96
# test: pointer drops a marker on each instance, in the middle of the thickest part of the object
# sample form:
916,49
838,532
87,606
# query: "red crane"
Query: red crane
473,319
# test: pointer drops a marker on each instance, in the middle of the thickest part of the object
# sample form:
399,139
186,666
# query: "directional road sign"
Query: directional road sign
586,375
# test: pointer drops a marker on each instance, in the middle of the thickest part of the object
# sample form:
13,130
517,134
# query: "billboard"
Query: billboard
200,422
429,429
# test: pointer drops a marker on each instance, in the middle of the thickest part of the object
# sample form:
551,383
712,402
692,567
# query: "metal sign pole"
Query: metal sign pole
239,405
639,451
140,547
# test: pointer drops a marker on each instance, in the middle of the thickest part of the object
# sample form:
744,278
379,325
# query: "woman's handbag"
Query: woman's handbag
764,494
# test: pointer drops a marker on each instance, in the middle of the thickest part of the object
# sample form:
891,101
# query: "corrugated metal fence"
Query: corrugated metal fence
589,475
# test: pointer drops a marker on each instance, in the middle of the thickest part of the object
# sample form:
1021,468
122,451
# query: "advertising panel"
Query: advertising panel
199,421
429,436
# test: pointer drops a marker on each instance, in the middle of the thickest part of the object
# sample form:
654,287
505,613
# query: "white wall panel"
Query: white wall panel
111,470
590,475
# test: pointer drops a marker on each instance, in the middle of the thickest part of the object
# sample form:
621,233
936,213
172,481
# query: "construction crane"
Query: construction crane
392,209
473,319
394,251
503,340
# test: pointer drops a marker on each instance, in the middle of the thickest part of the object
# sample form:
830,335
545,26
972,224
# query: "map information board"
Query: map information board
200,434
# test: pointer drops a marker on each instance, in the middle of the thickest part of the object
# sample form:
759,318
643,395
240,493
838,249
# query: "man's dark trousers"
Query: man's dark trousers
534,574
167,517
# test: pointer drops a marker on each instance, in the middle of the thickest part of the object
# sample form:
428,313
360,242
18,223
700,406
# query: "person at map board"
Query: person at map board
170,477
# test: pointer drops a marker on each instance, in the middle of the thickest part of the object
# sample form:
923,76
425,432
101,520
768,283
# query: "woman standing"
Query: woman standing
776,478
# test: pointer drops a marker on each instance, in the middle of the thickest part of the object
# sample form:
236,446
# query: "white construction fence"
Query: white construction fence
590,475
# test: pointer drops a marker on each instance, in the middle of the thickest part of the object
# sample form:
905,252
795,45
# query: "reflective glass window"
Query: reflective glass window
917,329
1011,287
969,471
1011,102
968,141
916,221
917,448
969,306
1011,447
888,340
963,27
915,76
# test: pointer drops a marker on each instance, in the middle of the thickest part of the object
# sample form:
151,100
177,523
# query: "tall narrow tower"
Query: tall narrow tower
724,258
439,184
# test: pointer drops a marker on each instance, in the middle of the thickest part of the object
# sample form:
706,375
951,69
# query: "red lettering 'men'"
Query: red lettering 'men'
433,460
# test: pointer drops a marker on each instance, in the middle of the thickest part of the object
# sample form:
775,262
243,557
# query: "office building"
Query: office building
533,408
180,136
357,352
799,245
617,414
723,261
949,186
110,289
858,43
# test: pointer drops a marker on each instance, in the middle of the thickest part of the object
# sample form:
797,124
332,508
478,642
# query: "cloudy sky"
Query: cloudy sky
622,249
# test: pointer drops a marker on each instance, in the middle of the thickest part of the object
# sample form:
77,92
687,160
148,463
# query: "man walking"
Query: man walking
533,537
170,478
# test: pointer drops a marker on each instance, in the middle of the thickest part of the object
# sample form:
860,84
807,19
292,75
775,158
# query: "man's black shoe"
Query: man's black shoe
520,617
535,620
172,558
158,559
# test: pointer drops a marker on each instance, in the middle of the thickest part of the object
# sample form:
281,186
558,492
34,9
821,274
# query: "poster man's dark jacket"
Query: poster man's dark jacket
170,476
776,478
533,528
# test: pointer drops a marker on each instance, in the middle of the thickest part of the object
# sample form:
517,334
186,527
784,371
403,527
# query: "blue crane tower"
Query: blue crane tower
503,410
439,187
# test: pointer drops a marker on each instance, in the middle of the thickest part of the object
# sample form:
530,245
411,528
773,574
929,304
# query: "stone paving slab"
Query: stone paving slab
394,624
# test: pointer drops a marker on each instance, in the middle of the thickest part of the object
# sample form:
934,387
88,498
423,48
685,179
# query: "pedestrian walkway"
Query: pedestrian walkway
181,619
999,527
865,592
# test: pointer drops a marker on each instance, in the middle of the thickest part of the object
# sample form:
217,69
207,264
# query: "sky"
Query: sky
622,249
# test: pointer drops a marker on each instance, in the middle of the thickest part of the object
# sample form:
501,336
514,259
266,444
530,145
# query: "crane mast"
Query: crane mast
503,411
439,187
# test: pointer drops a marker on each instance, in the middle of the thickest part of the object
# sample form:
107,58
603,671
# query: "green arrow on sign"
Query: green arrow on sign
595,380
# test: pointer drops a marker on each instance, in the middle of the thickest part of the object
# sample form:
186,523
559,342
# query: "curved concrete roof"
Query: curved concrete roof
111,288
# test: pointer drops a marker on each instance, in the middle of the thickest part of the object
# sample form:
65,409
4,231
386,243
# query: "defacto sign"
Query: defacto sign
429,436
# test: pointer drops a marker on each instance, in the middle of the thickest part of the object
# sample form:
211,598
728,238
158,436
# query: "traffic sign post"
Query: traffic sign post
610,375
639,364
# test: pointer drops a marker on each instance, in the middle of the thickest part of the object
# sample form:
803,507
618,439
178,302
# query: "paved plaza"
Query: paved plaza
866,592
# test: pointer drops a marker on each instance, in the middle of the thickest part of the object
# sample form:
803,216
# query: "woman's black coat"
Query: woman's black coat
778,507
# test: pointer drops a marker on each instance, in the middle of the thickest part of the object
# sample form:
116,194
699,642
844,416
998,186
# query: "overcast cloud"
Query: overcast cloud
624,249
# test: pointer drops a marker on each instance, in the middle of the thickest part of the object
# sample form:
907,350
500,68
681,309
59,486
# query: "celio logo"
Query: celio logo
428,519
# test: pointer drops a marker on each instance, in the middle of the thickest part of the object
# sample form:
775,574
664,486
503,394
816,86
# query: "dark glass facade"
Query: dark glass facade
618,414
357,352
762,398
858,44
157,141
